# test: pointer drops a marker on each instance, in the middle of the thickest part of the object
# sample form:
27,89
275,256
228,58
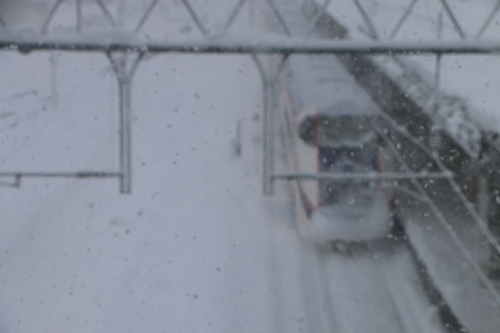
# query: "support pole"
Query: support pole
124,77
78,15
268,131
125,135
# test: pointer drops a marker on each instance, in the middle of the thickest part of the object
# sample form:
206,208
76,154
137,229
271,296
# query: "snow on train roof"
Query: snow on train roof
322,81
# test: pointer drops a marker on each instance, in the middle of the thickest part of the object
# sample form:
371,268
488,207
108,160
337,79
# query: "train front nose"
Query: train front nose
355,194
350,209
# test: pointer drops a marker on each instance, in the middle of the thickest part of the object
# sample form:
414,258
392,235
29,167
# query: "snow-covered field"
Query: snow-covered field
185,251
195,247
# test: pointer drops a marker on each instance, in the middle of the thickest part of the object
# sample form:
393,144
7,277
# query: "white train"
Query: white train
332,140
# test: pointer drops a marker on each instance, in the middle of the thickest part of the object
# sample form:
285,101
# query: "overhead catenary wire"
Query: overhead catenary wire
441,219
456,188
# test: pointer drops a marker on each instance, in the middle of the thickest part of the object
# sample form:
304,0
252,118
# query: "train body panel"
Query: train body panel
329,128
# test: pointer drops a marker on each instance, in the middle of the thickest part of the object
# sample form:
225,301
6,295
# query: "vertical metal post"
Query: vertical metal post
53,65
78,15
267,185
124,78
125,132
267,135
269,189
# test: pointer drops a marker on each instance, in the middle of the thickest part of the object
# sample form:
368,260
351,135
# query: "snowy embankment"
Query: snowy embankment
466,103
195,247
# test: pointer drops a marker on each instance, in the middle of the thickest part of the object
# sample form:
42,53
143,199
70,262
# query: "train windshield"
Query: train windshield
347,192
345,145
336,132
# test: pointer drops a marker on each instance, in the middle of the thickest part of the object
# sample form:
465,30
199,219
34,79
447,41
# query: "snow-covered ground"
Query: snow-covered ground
195,247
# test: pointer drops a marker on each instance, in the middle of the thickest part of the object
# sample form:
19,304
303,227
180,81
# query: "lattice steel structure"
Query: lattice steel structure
286,45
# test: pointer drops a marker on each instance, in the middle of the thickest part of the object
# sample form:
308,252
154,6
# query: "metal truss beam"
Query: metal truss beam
356,176
233,45
18,176
78,174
